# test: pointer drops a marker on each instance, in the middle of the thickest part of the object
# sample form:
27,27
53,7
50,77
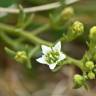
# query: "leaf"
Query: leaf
10,52
21,17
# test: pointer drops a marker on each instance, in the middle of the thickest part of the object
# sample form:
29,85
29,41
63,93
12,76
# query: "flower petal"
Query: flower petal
45,49
41,60
62,56
57,47
52,66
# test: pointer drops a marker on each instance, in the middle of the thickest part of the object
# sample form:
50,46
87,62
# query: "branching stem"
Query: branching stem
25,34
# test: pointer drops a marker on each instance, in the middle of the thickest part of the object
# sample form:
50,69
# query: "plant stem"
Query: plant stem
10,42
41,29
7,40
75,62
33,51
70,61
28,21
32,38
37,31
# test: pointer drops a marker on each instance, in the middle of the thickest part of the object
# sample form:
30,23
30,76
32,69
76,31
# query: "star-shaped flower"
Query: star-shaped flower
51,55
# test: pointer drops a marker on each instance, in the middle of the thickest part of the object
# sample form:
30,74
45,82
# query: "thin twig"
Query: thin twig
33,9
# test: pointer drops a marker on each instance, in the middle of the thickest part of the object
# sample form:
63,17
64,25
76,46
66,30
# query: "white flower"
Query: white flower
51,55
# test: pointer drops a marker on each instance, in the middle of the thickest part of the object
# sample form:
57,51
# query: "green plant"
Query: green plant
16,38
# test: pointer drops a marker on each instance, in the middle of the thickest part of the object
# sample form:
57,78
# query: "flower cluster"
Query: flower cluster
51,55
89,74
90,67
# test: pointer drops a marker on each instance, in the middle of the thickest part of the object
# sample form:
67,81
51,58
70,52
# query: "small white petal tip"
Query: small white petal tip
41,60
45,49
52,66
57,46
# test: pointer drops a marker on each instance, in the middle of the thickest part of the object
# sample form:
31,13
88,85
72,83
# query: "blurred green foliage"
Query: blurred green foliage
6,3
39,2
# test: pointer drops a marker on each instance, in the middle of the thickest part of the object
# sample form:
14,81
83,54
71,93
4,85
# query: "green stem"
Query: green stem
33,51
37,31
41,29
32,38
10,42
29,64
10,52
75,62
70,61
7,40
28,21
21,17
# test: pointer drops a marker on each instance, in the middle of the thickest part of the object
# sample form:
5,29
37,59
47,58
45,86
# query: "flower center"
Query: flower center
52,57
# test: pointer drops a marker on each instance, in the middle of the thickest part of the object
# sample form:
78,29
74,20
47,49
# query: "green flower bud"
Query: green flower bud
89,65
67,13
94,70
91,75
77,27
92,34
78,81
21,56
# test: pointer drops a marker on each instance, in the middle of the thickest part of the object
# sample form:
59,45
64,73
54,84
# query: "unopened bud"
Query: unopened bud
77,27
91,75
89,65
78,80
67,13
92,34
21,56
